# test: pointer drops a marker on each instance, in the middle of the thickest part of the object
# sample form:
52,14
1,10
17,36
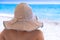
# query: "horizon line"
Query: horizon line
30,2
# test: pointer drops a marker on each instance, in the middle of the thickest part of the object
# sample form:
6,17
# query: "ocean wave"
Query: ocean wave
6,15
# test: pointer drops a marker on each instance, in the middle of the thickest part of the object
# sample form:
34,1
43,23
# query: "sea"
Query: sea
43,11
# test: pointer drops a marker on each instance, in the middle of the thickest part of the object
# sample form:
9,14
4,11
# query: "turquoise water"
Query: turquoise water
43,11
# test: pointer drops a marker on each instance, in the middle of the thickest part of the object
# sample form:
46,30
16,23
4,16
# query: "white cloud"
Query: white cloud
31,2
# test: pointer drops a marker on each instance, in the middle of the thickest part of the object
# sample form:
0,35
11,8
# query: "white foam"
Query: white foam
6,15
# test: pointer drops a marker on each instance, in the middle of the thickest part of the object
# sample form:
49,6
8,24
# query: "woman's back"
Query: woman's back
21,35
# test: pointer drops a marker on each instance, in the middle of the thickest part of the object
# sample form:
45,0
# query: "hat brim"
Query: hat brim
24,26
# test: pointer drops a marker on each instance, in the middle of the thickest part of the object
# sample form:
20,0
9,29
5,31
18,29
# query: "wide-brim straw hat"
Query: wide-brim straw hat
23,19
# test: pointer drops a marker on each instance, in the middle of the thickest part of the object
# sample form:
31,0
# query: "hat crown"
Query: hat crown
22,11
23,20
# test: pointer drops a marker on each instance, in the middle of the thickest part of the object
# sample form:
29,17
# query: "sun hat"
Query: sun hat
23,19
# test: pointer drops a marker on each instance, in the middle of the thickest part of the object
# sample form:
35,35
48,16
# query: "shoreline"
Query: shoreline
6,15
44,20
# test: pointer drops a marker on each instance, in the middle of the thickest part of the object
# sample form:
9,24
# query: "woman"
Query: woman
24,25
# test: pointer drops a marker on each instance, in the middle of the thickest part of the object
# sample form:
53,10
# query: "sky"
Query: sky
31,1
27,0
